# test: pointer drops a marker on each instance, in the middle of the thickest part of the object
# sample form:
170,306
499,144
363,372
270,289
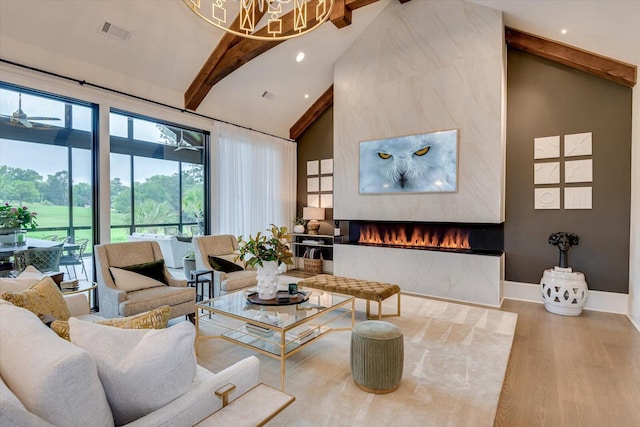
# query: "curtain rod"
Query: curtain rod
151,101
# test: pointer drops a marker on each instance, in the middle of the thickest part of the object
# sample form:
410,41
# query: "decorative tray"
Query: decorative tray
283,298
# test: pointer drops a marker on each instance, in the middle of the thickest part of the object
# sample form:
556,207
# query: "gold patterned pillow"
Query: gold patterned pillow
153,319
44,299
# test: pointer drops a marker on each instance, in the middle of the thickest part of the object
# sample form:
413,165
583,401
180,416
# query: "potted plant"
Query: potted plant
13,220
266,254
298,225
189,263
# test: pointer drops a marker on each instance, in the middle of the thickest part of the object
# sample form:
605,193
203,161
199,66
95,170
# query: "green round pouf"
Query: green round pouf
377,356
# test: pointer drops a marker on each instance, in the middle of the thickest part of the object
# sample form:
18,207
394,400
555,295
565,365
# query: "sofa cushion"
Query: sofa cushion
148,299
221,264
154,319
128,281
153,269
53,378
29,277
141,370
238,280
44,299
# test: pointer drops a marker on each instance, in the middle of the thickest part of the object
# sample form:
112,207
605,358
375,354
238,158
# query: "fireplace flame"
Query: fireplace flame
421,238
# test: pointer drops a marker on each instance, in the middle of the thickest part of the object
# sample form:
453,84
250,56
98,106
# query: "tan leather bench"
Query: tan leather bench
365,289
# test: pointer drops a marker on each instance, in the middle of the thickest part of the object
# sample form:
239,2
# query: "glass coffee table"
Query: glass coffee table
278,331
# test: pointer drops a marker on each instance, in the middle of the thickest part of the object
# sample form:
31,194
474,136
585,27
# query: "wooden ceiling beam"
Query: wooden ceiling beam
320,106
589,62
340,14
200,87
234,51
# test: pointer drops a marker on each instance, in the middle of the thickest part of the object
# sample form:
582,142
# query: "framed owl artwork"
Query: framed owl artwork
424,163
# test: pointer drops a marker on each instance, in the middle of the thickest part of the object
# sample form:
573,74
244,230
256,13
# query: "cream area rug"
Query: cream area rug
454,365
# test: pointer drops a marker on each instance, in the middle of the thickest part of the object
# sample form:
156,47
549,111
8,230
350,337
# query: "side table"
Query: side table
88,287
199,279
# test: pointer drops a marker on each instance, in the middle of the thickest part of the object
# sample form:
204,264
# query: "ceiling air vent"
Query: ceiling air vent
115,32
268,95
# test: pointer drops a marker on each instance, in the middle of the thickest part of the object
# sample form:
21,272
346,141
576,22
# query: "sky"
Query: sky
49,159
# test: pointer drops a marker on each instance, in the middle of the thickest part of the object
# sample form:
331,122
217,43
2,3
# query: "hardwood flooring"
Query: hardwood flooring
571,371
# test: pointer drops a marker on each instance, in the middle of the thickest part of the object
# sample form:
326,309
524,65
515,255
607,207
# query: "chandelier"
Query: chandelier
285,18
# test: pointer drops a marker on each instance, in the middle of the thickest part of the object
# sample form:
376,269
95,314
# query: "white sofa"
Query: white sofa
173,248
48,381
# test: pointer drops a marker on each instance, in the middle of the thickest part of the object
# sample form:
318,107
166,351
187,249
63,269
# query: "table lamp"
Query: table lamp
313,215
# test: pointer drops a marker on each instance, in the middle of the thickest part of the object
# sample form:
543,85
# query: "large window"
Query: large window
157,177
46,145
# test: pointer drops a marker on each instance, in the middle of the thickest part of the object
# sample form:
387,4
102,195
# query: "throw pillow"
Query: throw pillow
153,270
29,277
43,299
129,281
220,264
140,370
153,319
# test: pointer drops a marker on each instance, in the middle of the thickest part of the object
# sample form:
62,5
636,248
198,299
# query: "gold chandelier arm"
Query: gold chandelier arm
279,27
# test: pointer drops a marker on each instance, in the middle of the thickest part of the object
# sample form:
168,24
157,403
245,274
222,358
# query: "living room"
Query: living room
467,87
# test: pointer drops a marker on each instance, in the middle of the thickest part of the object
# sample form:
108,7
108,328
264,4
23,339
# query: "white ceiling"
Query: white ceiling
169,45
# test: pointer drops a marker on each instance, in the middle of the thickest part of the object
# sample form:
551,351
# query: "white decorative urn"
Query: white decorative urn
564,291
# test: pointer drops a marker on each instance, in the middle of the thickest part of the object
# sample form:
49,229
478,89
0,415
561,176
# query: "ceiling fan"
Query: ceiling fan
21,117
183,144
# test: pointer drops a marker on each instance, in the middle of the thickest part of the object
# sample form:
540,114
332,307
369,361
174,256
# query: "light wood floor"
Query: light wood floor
571,371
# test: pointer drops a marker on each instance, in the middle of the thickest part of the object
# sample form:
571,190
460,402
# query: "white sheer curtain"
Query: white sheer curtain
254,181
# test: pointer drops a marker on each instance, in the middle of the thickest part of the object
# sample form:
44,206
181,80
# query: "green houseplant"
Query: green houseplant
20,217
266,254
12,221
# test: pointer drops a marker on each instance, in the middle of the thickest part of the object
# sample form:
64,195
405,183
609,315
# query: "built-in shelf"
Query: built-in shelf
301,242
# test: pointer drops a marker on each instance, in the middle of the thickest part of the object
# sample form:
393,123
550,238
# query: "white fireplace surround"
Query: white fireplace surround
451,275
430,65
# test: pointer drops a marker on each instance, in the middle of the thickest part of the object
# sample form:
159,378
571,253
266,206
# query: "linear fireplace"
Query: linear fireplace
470,238
457,261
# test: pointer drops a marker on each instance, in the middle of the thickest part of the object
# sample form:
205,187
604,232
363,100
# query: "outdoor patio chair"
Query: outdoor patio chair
44,259
74,257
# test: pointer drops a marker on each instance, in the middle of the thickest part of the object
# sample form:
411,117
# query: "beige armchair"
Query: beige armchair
117,302
222,246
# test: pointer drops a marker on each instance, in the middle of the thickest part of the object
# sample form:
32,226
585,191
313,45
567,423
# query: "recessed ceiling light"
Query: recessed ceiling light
563,31
306,96
299,56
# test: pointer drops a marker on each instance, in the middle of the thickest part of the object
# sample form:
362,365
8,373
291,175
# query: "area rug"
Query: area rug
454,365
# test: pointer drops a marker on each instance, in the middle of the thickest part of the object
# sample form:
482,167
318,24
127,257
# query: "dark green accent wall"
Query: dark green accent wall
315,143
545,99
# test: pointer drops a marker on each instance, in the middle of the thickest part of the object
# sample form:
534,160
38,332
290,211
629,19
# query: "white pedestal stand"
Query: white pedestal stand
564,291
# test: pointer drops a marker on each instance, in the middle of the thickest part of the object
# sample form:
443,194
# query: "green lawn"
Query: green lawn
57,216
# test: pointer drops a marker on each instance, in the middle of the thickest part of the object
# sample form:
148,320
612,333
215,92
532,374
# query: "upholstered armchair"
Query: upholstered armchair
222,247
124,293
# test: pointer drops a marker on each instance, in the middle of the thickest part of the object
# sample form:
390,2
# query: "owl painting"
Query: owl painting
410,164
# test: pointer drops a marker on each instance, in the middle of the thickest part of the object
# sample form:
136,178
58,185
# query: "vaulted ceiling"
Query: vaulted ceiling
169,44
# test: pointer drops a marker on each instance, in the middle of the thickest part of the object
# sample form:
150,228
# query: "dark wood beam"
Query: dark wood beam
589,62
199,88
340,14
357,4
320,106
233,51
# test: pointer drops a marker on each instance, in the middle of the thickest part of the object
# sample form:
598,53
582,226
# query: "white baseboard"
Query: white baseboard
609,302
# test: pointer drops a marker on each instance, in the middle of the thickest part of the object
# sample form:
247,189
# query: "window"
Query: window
157,177
46,145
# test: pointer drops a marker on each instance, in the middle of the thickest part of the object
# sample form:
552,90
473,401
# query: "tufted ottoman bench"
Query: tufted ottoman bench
377,356
365,289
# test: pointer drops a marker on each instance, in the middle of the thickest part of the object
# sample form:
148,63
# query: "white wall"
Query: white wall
634,261
419,67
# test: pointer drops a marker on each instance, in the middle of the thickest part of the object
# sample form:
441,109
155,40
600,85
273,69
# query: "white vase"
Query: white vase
267,276
298,228
8,236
